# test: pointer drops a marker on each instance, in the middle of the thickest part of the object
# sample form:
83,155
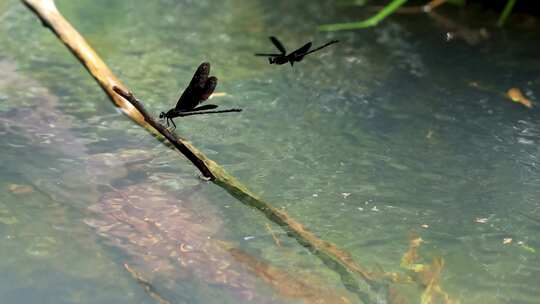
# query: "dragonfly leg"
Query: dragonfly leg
167,119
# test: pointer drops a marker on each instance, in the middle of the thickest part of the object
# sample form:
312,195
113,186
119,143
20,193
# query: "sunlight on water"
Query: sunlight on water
391,134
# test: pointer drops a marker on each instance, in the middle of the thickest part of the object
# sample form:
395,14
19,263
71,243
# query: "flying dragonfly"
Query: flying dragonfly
199,89
293,57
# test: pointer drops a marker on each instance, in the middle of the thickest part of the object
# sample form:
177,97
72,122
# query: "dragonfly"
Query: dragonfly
199,89
293,57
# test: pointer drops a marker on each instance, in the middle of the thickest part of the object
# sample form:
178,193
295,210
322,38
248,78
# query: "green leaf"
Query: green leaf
506,12
528,248
372,21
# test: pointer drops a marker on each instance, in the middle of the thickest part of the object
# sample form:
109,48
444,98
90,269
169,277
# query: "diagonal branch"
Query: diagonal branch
176,141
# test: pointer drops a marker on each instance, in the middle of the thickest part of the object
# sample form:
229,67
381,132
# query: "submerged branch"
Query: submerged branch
147,286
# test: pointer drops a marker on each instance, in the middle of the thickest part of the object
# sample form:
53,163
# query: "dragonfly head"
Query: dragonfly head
272,60
162,115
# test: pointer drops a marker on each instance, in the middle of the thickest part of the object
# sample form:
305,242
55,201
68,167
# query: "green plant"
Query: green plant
506,12
396,4
374,20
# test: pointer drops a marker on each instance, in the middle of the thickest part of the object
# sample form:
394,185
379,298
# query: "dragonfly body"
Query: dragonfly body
199,89
293,57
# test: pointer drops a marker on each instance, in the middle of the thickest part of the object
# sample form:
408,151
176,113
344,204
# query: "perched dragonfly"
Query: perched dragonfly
198,90
293,57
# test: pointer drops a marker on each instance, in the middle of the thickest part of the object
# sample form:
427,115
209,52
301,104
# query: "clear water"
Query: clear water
362,142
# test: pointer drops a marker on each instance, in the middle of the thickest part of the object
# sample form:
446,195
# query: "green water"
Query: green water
362,143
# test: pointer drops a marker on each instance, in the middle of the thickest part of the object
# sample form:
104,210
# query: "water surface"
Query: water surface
362,142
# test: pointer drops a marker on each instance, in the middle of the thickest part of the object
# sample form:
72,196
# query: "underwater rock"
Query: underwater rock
164,237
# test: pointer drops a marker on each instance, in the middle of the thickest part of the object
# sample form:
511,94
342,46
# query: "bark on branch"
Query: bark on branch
176,141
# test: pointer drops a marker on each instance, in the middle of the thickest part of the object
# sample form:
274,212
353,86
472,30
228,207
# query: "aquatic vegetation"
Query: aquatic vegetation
506,12
394,5
309,290
6,217
427,276
372,21
527,248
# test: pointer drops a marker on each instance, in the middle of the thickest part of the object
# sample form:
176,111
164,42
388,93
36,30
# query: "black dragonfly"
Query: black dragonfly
293,57
198,90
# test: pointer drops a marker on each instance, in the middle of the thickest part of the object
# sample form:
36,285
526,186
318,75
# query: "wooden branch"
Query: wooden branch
176,141
335,258
51,18
48,13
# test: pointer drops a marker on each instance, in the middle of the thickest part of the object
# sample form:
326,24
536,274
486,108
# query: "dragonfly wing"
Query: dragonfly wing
205,107
208,88
190,96
201,75
278,44
322,46
299,53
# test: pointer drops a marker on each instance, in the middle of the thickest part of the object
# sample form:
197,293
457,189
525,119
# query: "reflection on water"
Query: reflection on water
362,143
